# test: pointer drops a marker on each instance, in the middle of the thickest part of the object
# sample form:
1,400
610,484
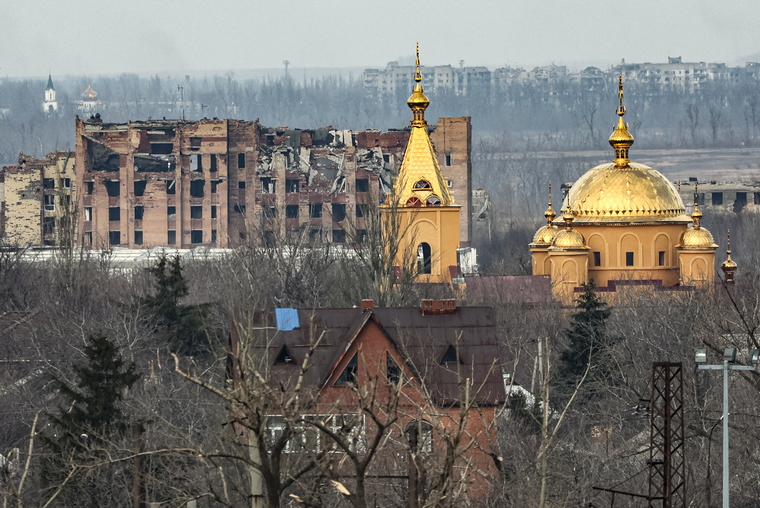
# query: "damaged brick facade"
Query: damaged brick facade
38,205
217,183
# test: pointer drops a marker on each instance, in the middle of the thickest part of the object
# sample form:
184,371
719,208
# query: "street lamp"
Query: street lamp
729,357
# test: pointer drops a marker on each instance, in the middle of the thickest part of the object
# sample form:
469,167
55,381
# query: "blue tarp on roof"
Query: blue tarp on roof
287,319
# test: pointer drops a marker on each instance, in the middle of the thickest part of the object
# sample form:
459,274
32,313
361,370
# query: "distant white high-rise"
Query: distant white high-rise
51,103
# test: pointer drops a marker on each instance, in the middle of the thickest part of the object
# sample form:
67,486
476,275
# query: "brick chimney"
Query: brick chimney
368,304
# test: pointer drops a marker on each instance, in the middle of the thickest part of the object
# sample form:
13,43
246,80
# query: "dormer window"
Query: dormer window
422,185
433,201
284,357
413,201
450,356
349,373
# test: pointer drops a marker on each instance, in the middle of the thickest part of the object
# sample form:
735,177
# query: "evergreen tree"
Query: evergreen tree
91,417
185,327
588,343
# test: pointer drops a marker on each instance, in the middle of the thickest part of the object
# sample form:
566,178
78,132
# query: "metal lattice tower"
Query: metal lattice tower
667,475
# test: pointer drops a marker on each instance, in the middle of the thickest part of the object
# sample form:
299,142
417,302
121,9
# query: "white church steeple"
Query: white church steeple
51,103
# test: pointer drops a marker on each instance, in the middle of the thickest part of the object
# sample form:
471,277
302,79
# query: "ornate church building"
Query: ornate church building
623,223
420,207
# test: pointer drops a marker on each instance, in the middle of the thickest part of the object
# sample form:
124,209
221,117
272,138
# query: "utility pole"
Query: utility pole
729,357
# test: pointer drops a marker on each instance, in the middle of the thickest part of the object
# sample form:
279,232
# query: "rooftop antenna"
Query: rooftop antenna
286,63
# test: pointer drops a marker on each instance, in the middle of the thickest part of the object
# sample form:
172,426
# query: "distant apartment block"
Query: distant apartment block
397,77
719,196
218,183
39,206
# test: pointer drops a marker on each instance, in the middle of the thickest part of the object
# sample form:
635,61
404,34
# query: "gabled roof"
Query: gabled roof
422,340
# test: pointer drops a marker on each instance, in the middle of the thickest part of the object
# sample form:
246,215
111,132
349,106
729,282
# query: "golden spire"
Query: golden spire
729,265
696,215
418,102
549,213
621,140
420,181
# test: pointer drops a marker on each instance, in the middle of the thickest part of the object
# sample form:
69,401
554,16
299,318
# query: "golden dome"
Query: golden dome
697,238
634,193
545,235
729,265
624,191
568,238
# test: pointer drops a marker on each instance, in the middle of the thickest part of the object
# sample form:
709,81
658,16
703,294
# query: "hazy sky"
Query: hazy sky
145,36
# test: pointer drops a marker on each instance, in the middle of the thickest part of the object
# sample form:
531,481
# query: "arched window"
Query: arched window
414,201
422,185
433,201
424,259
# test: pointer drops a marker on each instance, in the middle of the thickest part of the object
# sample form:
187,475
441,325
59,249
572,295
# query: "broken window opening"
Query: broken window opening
269,212
450,356
171,237
717,198
114,237
392,370
195,143
349,374
213,211
362,185
171,186
88,237
361,210
339,236
48,226
424,259
338,212
291,185
171,212
268,185
448,159
315,210
213,167
140,187
113,188
139,211
740,202
241,161
87,213
214,184
284,357
196,236
386,158
291,212
241,208
138,237
49,201
102,158
196,188
48,183
161,148
114,213
270,139
154,163
213,236
89,187
196,212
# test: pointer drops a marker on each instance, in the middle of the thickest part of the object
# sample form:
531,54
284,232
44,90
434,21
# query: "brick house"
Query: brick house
435,367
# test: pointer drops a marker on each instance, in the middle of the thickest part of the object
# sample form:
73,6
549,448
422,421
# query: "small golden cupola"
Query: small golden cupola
568,238
621,140
420,181
729,265
697,237
545,234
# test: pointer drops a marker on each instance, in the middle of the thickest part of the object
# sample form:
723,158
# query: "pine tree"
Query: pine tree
185,327
588,342
92,416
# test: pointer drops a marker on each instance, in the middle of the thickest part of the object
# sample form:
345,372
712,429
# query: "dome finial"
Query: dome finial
621,140
729,265
418,102
696,215
549,213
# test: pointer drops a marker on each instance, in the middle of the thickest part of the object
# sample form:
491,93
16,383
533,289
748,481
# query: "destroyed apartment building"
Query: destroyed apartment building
38,206
218,183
